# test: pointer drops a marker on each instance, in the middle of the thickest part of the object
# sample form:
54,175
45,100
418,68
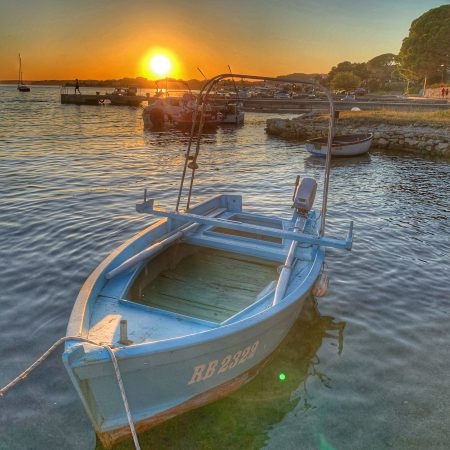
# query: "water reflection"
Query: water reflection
241,420
170,136
317,161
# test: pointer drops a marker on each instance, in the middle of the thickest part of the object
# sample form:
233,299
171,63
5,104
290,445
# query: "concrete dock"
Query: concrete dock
100,99
271,105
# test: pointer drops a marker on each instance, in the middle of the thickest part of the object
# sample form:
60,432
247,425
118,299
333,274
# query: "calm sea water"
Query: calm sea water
367,367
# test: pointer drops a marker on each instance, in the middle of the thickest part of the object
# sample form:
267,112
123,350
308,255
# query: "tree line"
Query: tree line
424,57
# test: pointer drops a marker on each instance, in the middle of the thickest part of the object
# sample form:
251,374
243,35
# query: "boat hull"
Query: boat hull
347,145
234,119
157,118
162,383
125,100
110,437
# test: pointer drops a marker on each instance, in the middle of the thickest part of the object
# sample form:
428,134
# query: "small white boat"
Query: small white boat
282,95
189,309
20,86
173,107
176,111
161,111
345,145
177,107
124,96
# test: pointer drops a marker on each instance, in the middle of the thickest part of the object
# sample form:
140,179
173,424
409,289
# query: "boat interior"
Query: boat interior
203,283
212,277
344,139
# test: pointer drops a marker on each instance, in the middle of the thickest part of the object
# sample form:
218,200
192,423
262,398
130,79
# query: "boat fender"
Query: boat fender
320,287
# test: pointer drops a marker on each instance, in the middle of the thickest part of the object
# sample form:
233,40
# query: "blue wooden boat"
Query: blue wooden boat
193,306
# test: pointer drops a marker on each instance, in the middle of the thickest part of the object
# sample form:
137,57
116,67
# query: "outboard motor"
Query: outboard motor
304,195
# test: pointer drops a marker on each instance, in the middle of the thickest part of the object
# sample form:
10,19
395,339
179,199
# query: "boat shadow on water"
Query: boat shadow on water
314,161
243,419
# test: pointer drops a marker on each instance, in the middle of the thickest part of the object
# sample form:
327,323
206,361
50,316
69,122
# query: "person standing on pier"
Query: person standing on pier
77,86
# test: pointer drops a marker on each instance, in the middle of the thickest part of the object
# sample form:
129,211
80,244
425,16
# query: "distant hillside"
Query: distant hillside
123,82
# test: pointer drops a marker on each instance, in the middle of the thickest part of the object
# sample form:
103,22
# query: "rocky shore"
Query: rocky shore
429,140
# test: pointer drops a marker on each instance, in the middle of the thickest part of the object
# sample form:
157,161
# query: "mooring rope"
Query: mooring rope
124,397
60,341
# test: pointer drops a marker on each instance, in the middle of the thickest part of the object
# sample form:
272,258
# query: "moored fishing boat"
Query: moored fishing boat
190,308
168,104
344,145
124,97
177,111
176,107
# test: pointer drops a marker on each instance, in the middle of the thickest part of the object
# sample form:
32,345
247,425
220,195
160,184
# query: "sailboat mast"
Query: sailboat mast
20,71
20,86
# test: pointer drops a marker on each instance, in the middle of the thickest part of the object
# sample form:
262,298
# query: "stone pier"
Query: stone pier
420,139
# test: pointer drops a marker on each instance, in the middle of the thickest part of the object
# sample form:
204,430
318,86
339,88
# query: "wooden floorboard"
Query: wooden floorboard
209,285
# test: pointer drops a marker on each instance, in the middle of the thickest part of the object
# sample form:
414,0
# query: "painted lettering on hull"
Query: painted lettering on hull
205,371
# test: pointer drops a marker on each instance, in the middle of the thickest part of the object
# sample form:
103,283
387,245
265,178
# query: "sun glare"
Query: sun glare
160,62
160,65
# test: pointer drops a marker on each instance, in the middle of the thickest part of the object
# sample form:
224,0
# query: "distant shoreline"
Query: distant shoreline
89,83
144,83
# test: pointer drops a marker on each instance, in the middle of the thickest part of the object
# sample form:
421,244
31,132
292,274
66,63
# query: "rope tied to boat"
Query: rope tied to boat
124,397
115,363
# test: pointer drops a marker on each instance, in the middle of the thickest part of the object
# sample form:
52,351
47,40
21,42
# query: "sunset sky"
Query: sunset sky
104,39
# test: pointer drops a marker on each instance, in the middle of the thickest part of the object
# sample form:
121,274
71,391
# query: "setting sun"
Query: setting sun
159,62
160,65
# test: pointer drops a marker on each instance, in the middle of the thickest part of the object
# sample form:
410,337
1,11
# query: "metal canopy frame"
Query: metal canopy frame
171,80
195,135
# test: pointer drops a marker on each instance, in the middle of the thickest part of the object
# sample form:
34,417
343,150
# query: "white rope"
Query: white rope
124,397
41,359
60,341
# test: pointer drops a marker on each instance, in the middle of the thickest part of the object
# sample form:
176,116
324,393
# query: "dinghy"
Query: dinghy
344,145
192,307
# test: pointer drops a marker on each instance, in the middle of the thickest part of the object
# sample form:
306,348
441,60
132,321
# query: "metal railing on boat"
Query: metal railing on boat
191,161
295,236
